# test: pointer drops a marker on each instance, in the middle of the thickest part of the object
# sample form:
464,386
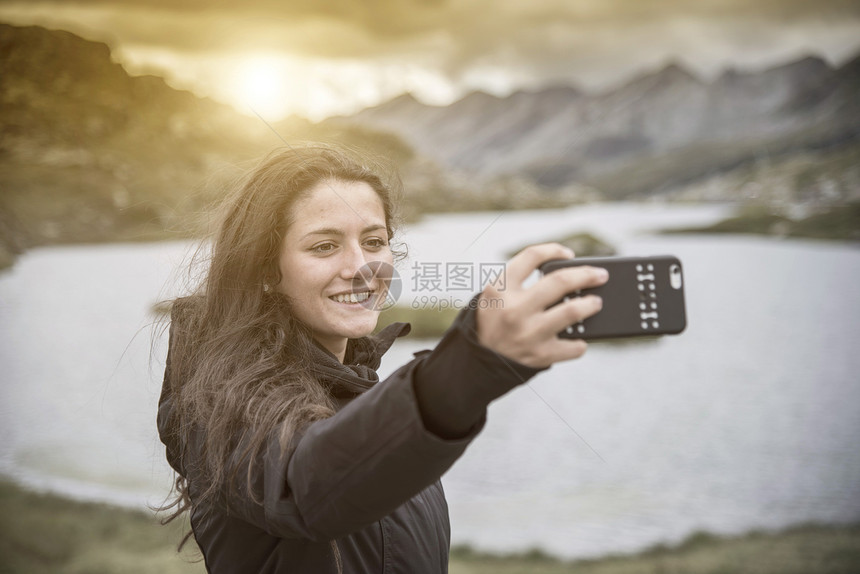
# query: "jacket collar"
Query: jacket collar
363,356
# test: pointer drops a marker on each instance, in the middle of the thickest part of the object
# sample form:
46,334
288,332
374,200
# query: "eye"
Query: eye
324,247
376,243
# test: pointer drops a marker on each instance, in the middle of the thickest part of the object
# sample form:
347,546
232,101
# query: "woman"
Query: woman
290,454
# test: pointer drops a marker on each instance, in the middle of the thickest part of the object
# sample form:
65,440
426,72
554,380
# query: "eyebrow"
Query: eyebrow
338,232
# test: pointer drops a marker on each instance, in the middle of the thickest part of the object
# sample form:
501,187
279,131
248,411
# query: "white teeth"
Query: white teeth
351,297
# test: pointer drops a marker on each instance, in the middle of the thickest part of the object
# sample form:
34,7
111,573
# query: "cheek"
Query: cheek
385,255
292,277
389,256
286,267
303,277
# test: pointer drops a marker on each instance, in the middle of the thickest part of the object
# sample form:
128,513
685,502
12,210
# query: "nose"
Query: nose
353,258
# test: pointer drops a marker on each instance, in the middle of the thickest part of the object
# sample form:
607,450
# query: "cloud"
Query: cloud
441,48
337,27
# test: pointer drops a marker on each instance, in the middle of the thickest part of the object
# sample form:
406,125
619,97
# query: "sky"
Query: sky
319,58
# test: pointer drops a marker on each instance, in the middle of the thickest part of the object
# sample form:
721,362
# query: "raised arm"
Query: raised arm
510,336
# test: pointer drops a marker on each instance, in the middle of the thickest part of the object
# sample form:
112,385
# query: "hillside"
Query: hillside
90,153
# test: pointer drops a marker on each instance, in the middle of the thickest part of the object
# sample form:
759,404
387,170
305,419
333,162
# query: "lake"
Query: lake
748,420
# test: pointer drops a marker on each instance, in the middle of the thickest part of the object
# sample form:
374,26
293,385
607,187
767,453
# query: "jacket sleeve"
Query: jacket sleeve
376,453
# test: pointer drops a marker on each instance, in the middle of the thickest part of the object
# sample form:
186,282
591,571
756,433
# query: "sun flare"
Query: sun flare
264,85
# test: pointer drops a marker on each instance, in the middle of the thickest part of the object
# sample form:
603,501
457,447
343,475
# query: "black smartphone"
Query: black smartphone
644,296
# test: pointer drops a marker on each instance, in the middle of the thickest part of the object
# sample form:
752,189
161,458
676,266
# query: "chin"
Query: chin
364,330
359,328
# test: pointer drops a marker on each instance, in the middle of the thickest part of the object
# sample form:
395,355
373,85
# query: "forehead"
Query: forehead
335,203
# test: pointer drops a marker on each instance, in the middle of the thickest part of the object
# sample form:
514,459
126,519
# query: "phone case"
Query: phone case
643,297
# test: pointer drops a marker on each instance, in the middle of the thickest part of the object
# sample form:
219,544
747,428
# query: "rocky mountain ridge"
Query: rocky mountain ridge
670,126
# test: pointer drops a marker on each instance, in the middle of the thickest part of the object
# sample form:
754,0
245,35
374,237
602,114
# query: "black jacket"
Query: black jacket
367,477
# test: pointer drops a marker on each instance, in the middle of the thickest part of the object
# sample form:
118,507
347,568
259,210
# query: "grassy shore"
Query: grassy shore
44,533
808,549
839,223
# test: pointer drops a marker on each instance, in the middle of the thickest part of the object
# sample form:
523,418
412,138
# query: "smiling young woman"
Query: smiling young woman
337,228
290,453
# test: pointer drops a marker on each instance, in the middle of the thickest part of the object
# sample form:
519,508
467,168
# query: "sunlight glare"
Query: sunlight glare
263,85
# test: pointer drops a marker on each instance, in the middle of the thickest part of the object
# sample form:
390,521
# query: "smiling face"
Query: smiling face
334,229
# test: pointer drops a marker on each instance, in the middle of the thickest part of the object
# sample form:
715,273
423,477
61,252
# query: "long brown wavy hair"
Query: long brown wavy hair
238,358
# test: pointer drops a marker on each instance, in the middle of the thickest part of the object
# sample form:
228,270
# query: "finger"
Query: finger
526,261
557,318
550,288
557,350
567,349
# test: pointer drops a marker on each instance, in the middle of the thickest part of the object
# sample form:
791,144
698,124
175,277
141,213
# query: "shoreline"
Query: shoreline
77,490
47,532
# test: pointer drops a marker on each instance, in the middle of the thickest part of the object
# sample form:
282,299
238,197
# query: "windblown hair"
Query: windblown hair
239,359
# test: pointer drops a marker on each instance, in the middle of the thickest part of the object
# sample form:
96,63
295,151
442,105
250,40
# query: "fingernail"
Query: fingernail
602,273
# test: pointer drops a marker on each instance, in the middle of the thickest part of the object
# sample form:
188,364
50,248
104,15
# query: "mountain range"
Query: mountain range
650,134
91,153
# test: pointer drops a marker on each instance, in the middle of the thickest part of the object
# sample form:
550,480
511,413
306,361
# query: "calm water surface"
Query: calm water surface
749,419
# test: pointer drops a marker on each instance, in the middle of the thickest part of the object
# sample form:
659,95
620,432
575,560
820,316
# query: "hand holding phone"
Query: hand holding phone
643,297
517,322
